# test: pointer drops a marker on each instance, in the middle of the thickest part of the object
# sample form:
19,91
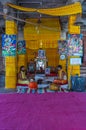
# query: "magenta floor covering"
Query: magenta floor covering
49,111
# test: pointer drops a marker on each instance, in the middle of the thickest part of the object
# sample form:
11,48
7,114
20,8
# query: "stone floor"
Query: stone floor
2,84
4,90
43,85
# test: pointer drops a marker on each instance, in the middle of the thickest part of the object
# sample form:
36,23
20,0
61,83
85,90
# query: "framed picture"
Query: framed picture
47,70
8,45
63,48
75,44
41,53
75,61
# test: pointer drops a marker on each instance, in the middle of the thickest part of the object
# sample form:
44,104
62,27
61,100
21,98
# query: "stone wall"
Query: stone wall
2,59
84,49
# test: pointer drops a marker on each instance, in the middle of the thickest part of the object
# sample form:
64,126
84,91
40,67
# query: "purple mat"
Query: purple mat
49,111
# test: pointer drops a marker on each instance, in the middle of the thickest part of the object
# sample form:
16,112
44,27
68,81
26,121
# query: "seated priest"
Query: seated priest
61,76
22,78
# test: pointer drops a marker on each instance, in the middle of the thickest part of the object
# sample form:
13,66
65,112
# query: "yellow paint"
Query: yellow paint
10,59
10,82
63,63
37,37
37,32
11,24
11,27
72,70
36,44
74,8
11,31
22,61
21,8
51,54
72,29
11,70
10,62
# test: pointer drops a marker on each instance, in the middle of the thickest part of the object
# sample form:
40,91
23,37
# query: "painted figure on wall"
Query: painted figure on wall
21,47
62,45
75,44
8,45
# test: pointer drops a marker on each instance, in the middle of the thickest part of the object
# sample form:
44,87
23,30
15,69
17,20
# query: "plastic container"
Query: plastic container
78,83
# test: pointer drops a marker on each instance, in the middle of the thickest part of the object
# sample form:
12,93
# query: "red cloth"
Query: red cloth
51,74
22,85
60,82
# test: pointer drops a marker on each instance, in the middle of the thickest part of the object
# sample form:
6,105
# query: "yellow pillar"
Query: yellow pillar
21,58
10,61
63,64
72,70
22,61
73,29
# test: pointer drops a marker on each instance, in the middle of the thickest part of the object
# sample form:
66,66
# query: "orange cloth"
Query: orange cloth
33,85
60,81
62,78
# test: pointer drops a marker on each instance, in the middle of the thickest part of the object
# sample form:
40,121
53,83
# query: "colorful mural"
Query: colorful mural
63,48
75,45
21,47
8,45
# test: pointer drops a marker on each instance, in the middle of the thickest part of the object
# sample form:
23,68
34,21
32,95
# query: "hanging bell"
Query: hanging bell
79,21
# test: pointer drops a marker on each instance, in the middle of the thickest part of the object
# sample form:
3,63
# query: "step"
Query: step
83,68
83,75
82,71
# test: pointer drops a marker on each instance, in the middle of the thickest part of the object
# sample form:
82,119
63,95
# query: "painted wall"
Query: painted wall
44,35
